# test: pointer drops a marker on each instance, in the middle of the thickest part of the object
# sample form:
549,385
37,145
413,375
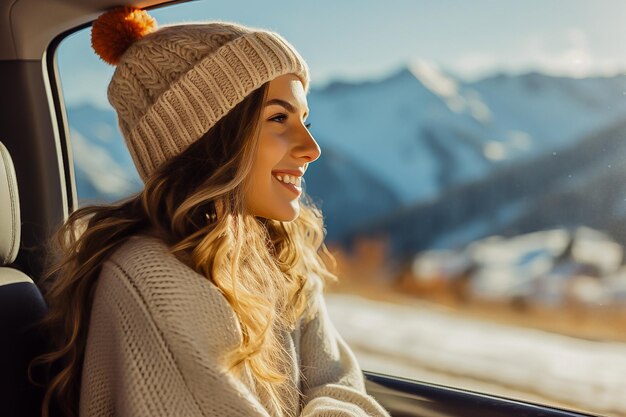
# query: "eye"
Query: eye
280,118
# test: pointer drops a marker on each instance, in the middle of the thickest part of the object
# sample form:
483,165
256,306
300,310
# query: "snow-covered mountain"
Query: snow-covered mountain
417,141
420,130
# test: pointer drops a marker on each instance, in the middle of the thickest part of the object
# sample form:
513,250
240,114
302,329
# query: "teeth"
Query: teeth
289,179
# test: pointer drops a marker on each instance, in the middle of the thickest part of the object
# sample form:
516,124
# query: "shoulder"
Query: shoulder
148,265
174,295
148,262
143,255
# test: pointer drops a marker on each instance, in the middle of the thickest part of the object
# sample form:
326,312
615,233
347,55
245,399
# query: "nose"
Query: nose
307,148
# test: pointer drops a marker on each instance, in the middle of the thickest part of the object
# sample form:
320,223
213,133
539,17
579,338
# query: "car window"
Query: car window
471,177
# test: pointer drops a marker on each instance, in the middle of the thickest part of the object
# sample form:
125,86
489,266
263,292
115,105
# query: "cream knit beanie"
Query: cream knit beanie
173,84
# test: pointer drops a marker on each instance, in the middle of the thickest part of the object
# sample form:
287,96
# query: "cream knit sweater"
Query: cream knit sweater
156,334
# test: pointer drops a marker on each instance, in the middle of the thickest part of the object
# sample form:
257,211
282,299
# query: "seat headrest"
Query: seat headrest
10,226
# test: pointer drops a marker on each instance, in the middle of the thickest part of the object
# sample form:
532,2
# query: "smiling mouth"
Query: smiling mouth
294,188
289,179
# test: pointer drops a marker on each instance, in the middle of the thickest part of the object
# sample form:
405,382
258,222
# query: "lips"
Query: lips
289,179
296,189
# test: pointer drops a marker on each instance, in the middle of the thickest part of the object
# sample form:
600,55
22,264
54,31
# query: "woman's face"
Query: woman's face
285,149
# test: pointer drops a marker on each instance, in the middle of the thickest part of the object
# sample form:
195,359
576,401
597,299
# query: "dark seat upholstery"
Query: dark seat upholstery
21,305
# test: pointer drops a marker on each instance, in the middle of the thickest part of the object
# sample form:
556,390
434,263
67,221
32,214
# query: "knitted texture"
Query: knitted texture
171,86
158,334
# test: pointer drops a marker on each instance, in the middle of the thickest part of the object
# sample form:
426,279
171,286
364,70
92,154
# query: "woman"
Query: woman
202,294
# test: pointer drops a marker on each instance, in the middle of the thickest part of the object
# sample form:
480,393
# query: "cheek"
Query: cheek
272,149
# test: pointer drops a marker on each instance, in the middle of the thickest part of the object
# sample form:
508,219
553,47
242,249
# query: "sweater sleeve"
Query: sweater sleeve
333,384
136,365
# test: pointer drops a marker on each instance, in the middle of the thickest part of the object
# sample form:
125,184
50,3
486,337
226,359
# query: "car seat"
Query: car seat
21,305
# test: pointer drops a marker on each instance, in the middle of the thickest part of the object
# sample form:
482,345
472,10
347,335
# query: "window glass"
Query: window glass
472,178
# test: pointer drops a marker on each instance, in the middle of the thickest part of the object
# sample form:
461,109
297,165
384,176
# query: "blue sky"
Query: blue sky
351,39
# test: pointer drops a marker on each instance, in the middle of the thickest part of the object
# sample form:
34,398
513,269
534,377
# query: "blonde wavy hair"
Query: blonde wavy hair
262,266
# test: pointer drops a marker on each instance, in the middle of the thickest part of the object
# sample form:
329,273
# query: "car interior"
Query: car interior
38,191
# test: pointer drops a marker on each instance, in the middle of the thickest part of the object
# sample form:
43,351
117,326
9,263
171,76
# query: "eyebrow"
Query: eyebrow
283,103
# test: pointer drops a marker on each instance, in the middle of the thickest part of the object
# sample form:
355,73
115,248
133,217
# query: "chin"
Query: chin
285,212
288,214
288,217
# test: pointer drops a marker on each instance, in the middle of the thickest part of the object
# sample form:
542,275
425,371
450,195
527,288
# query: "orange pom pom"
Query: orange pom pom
114,31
